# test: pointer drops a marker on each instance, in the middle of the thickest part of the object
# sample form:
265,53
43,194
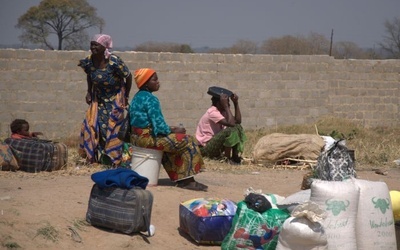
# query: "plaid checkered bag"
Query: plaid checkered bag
34,155
60,156
123,210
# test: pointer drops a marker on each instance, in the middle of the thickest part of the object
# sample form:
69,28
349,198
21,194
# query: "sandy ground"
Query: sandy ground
34,205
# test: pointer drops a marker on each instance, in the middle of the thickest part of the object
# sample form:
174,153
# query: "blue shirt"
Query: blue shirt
145,112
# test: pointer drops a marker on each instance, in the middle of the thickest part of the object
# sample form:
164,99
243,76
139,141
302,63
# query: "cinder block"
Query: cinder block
273,89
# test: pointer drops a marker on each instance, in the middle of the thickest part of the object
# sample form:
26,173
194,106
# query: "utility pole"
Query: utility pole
330,47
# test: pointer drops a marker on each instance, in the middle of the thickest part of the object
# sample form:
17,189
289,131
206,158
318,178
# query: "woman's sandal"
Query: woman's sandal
194,185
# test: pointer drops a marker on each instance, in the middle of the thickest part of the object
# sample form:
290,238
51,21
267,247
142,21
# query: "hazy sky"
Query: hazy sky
221,23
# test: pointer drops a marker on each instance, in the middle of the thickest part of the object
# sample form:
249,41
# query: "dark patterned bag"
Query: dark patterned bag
123,210
335,164
34,155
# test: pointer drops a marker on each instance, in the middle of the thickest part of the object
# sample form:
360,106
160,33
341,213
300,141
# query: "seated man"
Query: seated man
20,130
219,131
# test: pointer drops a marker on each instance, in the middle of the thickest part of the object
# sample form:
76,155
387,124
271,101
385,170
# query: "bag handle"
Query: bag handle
146,221
145,214
140,162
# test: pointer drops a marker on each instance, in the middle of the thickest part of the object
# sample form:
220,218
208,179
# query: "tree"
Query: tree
285,45
225,50
313,44
318,44
163,47
244,47
68,20
348,50
240,47
391,41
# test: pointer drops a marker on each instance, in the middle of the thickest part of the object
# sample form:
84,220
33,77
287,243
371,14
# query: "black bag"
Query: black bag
124,133
123,210
257,202
34,155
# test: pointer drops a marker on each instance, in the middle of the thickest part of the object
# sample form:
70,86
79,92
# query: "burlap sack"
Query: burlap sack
277,146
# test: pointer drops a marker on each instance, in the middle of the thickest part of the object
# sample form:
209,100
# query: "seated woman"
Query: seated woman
20,130
219,131
181,159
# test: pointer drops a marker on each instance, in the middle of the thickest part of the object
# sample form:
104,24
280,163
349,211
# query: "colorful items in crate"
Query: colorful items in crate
206,220
211,207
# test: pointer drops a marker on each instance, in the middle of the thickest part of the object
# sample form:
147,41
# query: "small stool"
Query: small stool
147,163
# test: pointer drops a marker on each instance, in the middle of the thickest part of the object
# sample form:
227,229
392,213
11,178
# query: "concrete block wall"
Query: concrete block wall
48,89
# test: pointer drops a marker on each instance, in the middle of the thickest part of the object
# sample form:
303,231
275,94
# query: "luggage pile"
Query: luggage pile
348,214
358,215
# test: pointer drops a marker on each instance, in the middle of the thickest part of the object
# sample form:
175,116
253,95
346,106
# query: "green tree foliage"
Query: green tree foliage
68,20
391,41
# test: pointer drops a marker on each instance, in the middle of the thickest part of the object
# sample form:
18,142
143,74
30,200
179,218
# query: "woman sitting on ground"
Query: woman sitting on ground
219,131
181,158
20,130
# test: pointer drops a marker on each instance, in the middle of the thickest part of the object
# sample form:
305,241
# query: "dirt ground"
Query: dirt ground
41,211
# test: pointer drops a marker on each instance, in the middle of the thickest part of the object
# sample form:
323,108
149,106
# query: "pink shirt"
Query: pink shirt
208,125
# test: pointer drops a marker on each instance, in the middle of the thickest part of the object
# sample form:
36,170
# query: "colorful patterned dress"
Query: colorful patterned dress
106,112
181,158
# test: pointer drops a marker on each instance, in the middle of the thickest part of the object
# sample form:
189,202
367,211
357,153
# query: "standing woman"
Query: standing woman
181,158
109,82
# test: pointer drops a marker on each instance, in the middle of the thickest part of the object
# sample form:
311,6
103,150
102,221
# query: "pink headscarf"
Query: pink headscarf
104,40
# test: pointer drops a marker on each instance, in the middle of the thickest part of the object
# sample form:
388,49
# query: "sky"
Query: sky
221,23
